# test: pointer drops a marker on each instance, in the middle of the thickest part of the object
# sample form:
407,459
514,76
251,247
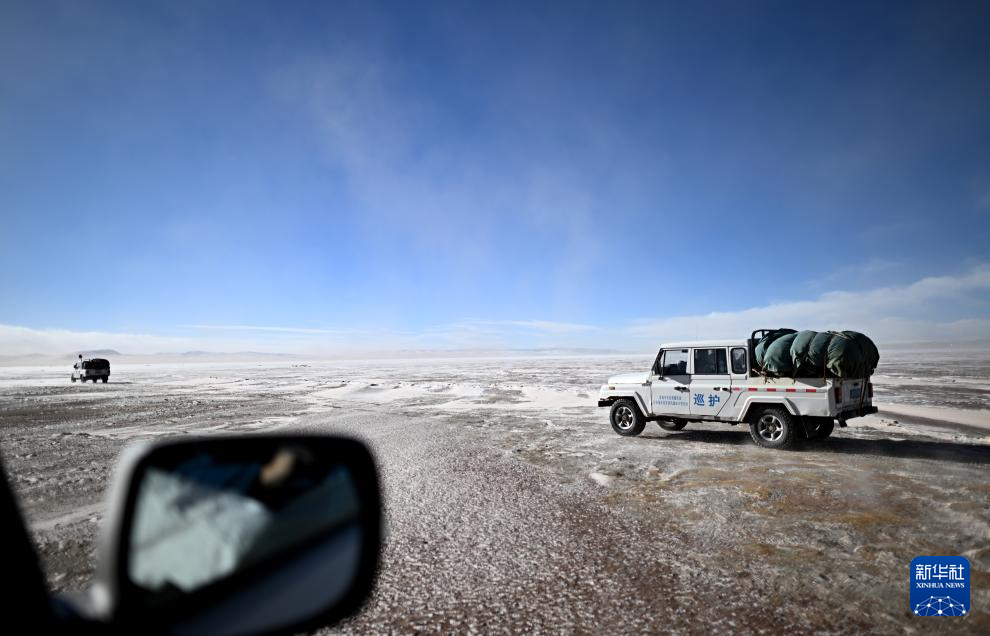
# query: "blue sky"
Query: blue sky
321,176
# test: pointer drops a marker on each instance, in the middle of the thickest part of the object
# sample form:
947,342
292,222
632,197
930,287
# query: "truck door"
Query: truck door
670,382
711,386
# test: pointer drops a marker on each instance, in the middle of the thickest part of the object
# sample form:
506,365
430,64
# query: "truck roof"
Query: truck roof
689,344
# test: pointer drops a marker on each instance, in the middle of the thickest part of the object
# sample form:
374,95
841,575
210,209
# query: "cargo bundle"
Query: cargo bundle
786,353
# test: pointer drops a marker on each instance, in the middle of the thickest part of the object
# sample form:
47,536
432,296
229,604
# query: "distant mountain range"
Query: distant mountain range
99,353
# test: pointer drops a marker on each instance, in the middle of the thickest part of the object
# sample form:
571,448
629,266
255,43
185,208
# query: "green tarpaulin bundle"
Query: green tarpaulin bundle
778,360
809,354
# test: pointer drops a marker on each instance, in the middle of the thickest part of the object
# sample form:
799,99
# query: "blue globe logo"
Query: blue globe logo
939,606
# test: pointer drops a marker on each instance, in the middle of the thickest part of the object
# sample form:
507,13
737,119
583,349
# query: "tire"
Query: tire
773,427
73,378
626,419
672,425
104,379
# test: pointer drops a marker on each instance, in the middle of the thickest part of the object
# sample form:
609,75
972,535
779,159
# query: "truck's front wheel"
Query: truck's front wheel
626,418
773,427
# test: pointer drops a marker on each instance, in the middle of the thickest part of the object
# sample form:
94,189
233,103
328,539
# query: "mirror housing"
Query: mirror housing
320,543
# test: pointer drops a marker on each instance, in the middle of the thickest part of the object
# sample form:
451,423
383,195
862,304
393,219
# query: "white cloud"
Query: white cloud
446,194
545,326
495,334
932,308
269,329
19,341
937,308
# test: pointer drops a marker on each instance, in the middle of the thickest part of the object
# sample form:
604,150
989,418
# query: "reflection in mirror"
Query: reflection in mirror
205,517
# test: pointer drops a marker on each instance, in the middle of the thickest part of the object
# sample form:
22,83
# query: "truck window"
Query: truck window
675,362
739,360
710,362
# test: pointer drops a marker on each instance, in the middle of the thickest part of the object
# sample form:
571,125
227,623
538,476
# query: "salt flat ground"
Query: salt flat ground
512,506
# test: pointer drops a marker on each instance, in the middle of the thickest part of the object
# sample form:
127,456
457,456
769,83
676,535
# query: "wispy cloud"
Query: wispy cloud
503,334
416,179
18,341
933,308
270,329
544,326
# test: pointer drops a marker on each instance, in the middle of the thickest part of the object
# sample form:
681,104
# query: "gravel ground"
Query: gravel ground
512,509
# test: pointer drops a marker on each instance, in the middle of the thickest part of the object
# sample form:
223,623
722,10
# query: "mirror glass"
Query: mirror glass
275,520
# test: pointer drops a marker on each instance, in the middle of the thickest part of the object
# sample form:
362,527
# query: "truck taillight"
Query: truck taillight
838,394
869,389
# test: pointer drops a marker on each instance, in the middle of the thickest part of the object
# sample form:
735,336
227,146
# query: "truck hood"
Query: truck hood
629,378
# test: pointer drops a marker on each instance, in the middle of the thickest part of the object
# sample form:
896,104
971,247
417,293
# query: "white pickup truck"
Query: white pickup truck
716,381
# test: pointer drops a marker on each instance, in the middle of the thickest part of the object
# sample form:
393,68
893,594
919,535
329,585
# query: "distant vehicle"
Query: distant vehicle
91,369
249,535
719,381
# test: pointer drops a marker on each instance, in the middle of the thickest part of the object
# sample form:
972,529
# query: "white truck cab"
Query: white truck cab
717,381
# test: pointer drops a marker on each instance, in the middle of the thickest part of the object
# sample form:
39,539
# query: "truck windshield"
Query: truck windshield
675,362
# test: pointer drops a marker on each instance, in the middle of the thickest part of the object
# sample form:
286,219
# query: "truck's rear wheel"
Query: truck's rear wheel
626,418
73,378
104,379
672,425
773,427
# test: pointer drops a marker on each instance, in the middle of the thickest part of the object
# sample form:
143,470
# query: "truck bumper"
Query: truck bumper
604,402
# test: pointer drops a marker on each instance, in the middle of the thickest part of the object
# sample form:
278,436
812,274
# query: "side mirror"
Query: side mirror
239,535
